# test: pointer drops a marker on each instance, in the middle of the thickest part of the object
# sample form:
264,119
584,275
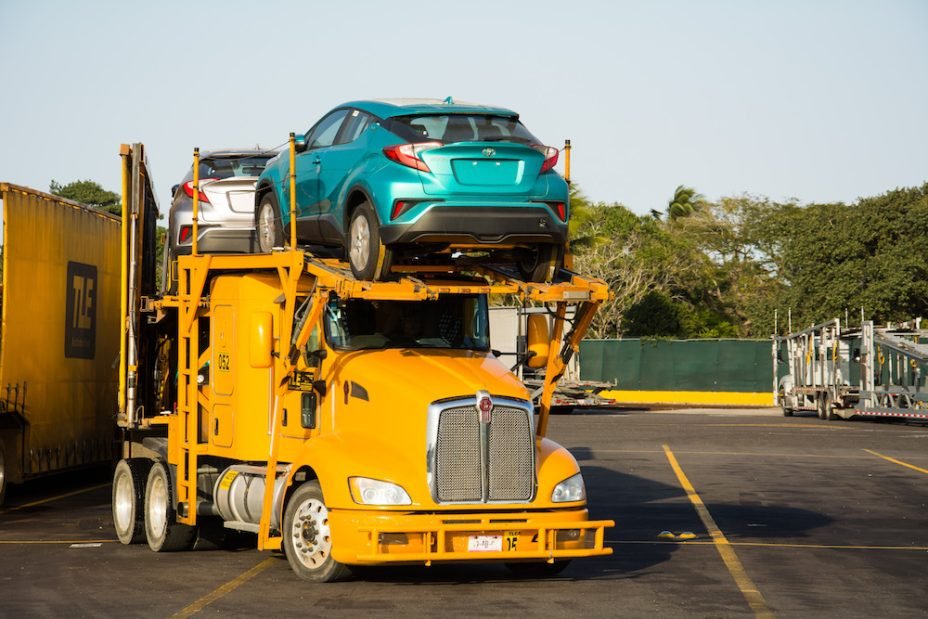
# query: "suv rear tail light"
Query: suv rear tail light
559,209
400,207
188,189
551,155
408,154
185,233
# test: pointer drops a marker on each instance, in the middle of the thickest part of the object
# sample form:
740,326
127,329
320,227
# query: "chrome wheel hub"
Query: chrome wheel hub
360,251
266,228
310,534
123,502
157,507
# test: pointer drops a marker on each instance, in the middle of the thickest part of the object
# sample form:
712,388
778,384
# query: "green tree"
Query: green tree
684,203
837,258
90,193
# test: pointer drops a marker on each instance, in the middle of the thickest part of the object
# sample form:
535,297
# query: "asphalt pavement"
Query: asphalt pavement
718,514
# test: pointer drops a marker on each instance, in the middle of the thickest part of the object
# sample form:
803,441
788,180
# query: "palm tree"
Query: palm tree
685,202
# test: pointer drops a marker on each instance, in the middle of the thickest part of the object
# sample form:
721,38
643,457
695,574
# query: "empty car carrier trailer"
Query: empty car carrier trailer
60,303
867,372
344,422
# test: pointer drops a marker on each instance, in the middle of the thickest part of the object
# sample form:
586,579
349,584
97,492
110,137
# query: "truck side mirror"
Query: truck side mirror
261,340
539,341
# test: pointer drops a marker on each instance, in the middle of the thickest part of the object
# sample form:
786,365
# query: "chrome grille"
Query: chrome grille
511,465
475,463
457,456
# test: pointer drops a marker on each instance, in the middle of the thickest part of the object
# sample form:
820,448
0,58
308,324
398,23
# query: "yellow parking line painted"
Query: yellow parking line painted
768,454
54,498
14,542
225,589
747,587
899,462
772,545
801,426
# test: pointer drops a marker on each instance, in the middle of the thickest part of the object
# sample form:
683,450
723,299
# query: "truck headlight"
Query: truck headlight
571,489
375,492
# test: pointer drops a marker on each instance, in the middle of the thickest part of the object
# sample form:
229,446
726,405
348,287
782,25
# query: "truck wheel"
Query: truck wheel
830,409
129,481
268,227
161,527
541,264
368,257
821,406
307,539
538,569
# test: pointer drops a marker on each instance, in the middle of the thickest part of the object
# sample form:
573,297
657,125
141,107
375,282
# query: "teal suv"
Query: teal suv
400,181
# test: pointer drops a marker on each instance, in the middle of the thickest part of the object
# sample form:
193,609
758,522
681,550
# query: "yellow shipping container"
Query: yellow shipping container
60,340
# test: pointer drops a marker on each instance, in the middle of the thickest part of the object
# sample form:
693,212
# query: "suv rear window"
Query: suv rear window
225,167
449,128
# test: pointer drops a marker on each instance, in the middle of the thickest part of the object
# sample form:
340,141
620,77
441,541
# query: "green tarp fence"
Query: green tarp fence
679,365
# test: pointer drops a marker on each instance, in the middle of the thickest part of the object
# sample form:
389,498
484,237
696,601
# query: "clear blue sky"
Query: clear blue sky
819,100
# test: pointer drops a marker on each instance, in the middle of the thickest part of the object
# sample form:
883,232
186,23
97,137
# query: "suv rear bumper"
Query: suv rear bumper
481,225
219,240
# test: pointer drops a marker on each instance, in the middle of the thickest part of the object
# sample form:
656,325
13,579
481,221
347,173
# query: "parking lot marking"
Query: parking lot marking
225,589
791,426
899,462
13,542
773,545
53,498
747,587
766,454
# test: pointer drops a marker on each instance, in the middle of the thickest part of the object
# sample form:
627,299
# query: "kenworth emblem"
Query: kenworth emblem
485,406
489,152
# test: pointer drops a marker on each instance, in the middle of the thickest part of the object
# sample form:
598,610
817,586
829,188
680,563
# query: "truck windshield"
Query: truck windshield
452,321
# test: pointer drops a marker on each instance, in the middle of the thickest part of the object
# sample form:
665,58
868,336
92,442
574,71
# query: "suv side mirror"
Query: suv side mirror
174,190
299,143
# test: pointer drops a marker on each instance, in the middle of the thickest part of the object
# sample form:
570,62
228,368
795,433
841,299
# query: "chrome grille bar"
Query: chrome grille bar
470,462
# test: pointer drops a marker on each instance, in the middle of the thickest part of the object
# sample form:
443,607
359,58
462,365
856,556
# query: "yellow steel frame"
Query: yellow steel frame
437,537
329,276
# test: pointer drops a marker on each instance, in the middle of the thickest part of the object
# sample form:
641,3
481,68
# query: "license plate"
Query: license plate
485,543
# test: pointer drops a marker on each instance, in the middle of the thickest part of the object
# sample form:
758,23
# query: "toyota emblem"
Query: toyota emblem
489,152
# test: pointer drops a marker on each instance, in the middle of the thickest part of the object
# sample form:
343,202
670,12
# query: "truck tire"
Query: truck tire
268,227
823,406
162,530
830,409
540,569
307,540
541,264
369,259
129,480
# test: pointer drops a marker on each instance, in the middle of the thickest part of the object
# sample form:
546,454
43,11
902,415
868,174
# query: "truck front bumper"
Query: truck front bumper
377,537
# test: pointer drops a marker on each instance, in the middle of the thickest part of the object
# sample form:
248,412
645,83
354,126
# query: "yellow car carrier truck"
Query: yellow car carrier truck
344,422
60,304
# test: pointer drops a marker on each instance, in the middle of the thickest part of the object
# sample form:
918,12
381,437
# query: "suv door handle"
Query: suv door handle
317,161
